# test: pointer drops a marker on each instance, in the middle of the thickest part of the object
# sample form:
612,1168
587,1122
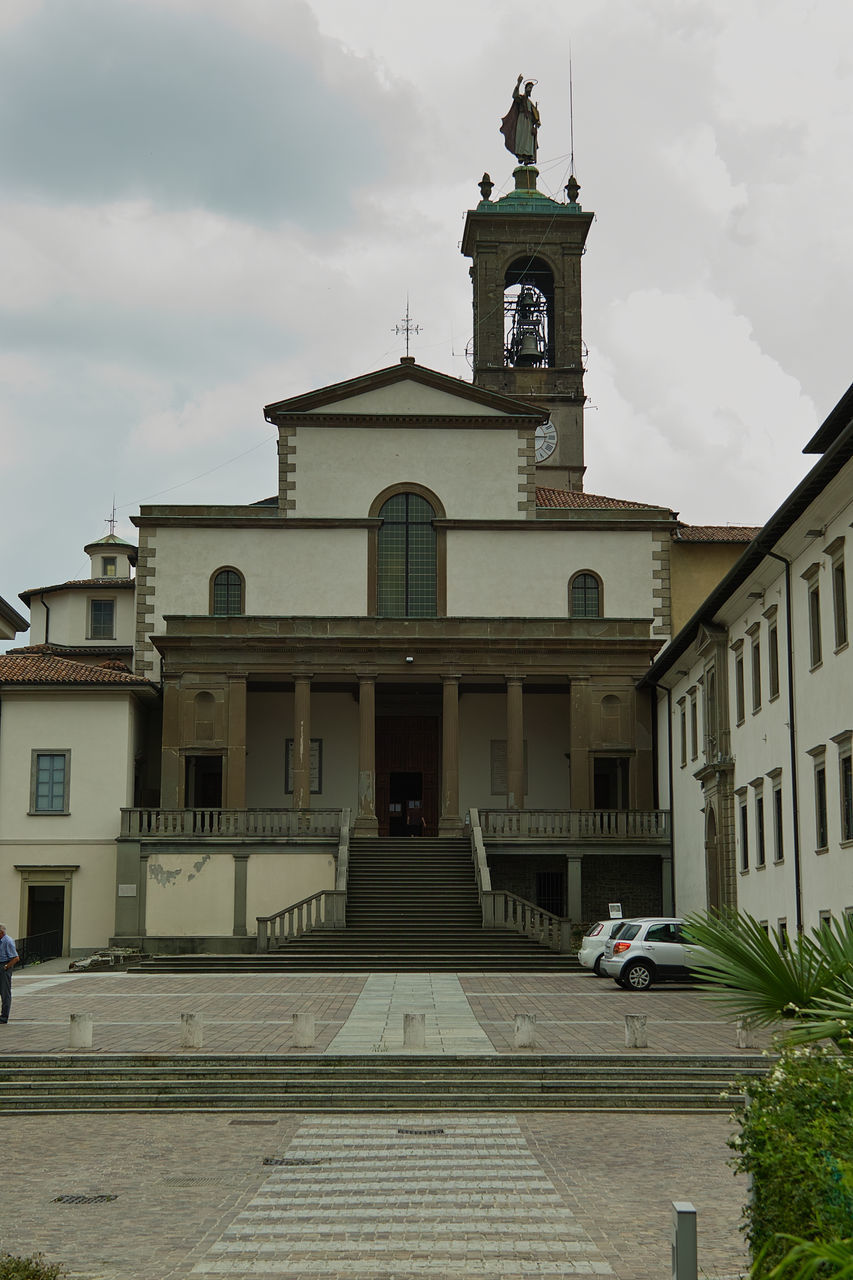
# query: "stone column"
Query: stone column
302,742
580,734
450,822
366,823
235,782
514,743
171,766
574,889
241,884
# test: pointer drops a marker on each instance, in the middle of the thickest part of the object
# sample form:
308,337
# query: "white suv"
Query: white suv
650,950
591,951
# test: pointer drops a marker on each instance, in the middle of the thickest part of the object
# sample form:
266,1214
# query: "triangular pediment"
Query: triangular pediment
406,390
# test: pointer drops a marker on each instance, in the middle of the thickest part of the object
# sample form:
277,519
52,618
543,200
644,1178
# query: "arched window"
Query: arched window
585,596
227,589
406,558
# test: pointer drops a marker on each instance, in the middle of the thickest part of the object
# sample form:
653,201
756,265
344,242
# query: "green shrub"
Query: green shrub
32,1268
796,1143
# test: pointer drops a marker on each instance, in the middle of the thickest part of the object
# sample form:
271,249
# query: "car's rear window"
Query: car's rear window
627,932
596,929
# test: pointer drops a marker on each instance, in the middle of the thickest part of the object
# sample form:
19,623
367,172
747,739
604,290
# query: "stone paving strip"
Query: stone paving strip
182,1184
375,1024
426,1196
357,1013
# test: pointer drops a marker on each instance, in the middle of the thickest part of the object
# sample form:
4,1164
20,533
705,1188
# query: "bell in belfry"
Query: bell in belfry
527,341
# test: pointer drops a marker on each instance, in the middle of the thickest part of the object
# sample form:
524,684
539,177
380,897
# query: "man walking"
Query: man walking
8,960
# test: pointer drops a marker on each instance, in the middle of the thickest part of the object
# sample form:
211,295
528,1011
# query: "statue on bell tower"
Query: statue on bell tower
520,125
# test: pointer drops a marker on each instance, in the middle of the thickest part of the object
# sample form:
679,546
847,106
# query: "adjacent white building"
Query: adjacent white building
755,713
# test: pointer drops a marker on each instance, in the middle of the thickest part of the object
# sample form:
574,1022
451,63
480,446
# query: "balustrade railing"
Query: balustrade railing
324,910
502,910
576,824
258,824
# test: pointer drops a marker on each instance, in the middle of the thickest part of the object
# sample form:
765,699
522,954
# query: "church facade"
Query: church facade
430,630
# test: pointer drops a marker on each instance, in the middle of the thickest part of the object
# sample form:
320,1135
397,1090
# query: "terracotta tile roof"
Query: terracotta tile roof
47,668
717,532
571,500
77,651
78,584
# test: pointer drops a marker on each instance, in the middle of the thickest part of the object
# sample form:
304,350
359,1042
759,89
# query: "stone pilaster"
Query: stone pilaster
514,742
366,822
302,742
450,822
145,656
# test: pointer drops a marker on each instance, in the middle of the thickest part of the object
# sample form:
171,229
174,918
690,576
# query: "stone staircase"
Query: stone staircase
275,1083
412,906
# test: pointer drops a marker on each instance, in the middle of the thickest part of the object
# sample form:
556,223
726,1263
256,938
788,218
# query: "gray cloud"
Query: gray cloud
109,99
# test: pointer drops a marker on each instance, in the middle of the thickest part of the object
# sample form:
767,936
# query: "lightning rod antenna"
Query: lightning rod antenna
571,114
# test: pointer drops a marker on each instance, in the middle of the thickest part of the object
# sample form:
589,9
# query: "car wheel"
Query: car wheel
596,968
639,977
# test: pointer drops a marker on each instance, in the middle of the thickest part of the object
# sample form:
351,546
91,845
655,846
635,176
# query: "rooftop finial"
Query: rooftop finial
405,326
111,518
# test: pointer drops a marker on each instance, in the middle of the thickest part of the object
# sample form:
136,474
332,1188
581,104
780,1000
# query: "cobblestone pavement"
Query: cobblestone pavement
252,1012
525,1195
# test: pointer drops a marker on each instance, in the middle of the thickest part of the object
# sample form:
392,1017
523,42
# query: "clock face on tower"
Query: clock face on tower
546,441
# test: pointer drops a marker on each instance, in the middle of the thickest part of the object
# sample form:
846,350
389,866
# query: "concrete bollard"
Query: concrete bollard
636,1036
745,1034
525,1030
192,1031
303,1030
414,1030
80,1031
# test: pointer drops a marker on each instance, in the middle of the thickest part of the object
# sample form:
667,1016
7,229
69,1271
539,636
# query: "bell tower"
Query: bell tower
526,272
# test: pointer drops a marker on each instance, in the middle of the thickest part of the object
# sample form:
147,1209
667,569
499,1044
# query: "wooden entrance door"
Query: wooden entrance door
407,761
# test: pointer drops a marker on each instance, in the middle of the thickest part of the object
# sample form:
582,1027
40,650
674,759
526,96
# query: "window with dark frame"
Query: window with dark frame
756,674
839,602
102,619
585,596
778,831
682,722
815,640
846,787
744,837
406,558
821,831
740,699
227,594
694,727
759,831
49,782
773,659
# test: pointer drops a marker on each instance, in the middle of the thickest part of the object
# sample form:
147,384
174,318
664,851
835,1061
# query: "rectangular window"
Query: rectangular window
108,566
497,753
821,834
744,837
773,659
316,763
839,602
755,664
49,781
824,919
740,700
778,838
845,765
815,642
694,727
782,930
759,831
101,619
682,721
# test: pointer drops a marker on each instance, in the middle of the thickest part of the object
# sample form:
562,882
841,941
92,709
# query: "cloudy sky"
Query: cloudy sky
209,205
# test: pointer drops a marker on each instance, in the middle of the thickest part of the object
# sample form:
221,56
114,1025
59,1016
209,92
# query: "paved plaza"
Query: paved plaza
390,1196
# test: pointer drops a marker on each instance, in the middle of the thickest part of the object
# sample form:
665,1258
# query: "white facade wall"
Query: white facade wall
190,893
277,880
501,573
69,617
685,800
99,730
341,470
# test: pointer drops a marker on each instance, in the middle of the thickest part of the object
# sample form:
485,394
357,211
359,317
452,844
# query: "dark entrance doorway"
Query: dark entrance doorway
46,911
204,782
407,775
610,782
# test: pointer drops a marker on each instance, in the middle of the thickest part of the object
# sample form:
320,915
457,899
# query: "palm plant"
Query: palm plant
815,1260
754,974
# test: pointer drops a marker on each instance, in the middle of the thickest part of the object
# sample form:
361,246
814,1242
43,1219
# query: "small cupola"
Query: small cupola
111,557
